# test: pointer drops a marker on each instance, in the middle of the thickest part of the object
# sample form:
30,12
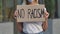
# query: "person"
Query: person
35,27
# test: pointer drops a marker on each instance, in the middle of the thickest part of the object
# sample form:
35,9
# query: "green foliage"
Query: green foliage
0,4
50,5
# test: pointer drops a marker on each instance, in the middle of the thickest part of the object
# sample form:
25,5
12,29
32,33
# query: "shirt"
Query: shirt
34,27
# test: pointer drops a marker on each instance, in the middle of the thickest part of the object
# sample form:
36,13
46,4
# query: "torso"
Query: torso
34,27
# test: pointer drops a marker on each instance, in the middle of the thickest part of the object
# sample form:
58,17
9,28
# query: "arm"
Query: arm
19,25
45,23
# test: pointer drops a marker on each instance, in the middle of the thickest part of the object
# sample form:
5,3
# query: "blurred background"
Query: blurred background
7,22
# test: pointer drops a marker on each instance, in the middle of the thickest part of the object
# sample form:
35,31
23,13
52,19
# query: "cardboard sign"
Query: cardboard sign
30,13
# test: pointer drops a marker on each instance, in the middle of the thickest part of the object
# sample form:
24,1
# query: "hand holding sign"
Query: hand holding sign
28,13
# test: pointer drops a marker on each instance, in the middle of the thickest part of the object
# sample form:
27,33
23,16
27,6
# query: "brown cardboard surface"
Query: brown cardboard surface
25,13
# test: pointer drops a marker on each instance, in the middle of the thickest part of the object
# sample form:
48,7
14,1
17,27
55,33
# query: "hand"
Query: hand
46,15
15,14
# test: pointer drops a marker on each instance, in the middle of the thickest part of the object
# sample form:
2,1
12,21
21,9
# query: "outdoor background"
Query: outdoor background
7,8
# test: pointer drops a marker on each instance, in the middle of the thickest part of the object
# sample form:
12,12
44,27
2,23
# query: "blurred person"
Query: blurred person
35,27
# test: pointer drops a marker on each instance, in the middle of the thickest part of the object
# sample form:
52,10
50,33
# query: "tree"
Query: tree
50,7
